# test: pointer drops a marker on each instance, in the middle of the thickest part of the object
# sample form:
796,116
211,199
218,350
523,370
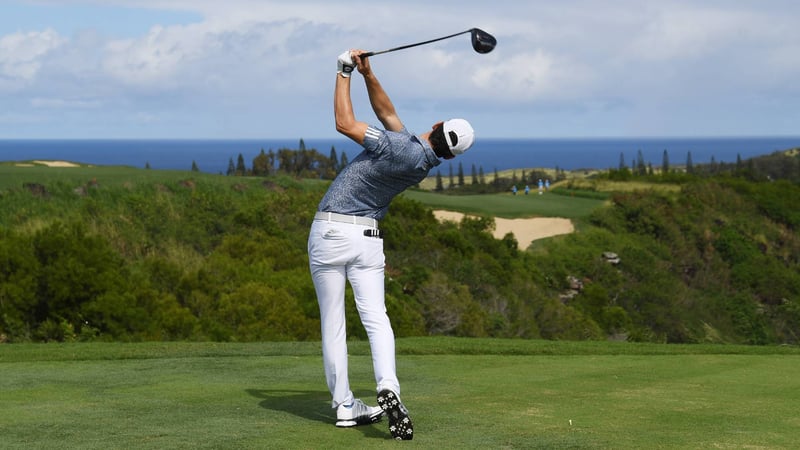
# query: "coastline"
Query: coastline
214,156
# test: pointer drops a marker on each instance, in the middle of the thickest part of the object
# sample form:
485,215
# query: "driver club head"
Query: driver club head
482,41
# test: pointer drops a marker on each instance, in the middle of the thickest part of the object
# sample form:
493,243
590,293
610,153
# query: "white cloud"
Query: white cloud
535,76
22,55
265,65
686,33
253,57
154,58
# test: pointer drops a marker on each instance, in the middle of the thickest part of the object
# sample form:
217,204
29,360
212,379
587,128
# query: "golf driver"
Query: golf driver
482,42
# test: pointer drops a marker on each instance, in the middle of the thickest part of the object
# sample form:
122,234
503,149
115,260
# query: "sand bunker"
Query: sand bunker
56,163
524,230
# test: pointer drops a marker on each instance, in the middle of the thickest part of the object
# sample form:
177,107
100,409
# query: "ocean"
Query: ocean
213,156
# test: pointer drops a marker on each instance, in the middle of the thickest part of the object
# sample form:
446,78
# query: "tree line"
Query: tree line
300,162
310,163
779,165
223,259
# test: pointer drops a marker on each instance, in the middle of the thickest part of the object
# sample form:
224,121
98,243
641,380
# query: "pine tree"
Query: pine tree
261,164
241,169
439,186
460,174
452,181
474,175
689,165
641,168
194,167
231,168
665,163
334,160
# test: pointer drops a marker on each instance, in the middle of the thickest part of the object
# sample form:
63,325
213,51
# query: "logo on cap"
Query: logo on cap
459,135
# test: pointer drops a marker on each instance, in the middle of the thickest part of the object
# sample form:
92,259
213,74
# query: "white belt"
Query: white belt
344,218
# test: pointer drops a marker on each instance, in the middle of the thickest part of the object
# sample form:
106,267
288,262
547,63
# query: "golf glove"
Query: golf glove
345,65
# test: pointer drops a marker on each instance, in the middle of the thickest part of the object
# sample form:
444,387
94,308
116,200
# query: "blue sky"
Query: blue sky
265,69
70,17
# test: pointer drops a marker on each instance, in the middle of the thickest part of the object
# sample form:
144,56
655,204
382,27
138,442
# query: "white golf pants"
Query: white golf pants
340,252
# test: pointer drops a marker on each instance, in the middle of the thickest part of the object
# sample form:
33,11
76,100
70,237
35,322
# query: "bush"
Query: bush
224,258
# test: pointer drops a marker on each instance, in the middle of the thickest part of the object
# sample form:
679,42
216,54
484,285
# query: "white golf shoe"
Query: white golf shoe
357,414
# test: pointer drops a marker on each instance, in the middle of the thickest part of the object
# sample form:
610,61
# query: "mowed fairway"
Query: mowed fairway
15,175
462,393
510,206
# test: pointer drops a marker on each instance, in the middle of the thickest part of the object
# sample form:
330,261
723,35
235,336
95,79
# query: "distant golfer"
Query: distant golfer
345,243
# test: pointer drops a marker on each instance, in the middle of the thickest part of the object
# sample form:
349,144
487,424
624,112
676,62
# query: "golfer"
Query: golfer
345,242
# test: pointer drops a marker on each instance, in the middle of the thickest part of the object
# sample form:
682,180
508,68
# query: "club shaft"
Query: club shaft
368,54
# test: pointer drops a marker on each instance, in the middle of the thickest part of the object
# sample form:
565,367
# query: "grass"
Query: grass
622,186
558,202
510,206
429,183
462,393
13,175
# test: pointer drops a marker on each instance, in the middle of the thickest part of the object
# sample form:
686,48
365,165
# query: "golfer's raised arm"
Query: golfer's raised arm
381,104
346,122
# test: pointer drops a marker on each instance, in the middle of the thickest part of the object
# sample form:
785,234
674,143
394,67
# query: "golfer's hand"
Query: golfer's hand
344,64
362,63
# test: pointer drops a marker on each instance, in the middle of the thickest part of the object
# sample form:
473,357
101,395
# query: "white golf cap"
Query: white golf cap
459,135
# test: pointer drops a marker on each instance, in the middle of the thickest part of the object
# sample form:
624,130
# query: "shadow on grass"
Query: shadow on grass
311,405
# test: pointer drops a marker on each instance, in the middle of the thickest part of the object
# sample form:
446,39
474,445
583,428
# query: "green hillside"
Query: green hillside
124,254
